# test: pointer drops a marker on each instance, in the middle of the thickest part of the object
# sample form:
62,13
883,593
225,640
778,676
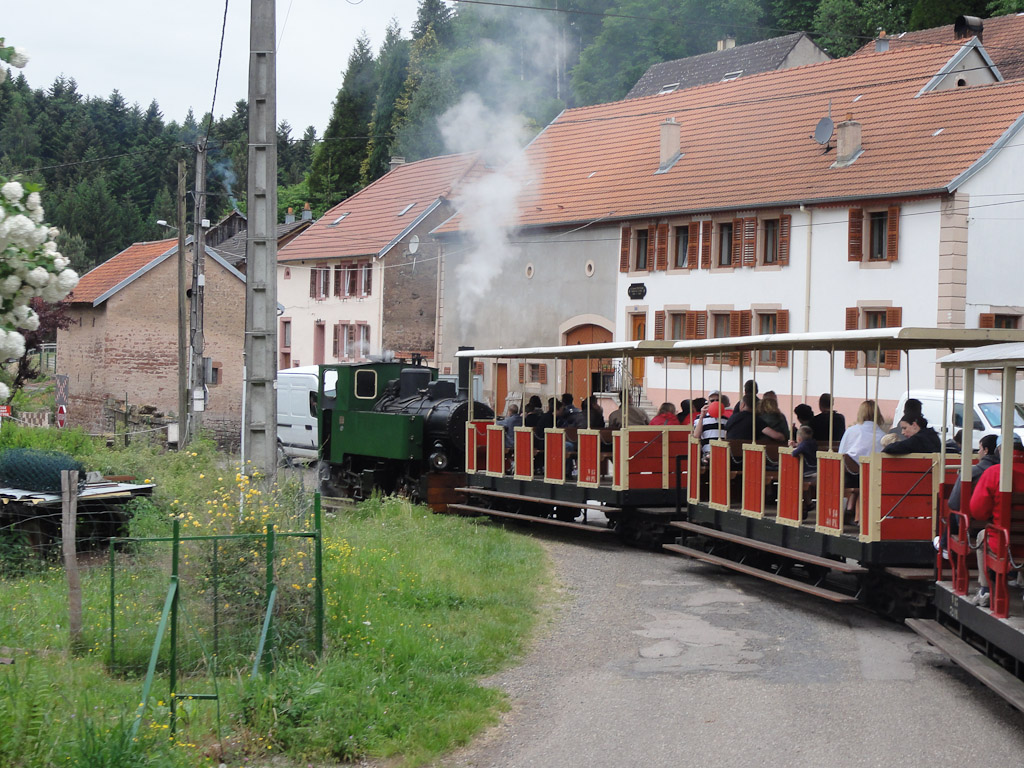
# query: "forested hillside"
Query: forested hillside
109,168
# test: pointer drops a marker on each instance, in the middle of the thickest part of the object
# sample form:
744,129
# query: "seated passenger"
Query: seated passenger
864,437
828,416
533,411
694,411
807,447
983,504
804,417
709,424
570,409
918,437
987,456
744,424
682,415
593,415
636,416
769,411
510,422
666,415
911,410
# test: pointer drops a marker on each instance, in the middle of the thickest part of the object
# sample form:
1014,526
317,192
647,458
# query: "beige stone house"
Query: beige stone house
122,344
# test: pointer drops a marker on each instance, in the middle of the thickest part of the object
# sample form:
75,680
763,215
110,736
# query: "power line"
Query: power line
216,79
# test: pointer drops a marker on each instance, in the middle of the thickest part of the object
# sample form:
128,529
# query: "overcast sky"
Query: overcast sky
168,51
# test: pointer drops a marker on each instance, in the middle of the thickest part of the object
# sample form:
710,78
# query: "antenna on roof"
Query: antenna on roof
823,130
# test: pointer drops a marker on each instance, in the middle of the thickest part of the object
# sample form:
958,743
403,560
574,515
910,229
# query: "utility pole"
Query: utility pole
183,316
259,434
198,378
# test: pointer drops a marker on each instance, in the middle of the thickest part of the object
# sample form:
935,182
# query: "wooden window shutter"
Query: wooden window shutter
735,320
705,245
746,316
782,326
659,330
478,369
785,226
987,320
892,234
696,327
661,251
893,319
312,282
522,372
542,373
627,236
737,242
750,241
652,241
692,249
336,344
852,324
337,279
856,235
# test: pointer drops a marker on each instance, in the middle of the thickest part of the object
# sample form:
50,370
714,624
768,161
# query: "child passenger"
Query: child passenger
806,446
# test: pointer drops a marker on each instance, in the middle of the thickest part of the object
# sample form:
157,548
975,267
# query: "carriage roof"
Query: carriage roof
861,340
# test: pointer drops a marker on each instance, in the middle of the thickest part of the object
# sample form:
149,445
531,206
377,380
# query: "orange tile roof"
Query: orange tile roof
1001,36
373,217
747,143
114,271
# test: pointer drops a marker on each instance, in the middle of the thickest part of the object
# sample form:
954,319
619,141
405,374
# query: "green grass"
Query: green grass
418,608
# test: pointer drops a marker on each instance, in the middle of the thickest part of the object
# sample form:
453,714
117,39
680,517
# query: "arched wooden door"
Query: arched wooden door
576,370
638,324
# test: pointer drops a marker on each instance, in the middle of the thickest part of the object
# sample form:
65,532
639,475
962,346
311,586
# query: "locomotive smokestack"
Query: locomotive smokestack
465,374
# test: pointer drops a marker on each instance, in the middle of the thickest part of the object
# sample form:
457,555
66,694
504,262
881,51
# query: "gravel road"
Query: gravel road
658,660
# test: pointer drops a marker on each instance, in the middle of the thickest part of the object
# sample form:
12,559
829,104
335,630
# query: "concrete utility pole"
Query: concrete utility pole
183,316
260,429
198,379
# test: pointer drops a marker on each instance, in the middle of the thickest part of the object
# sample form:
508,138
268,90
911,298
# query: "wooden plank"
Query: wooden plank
973,661
519,497
835,565
912,574
835,597
480,511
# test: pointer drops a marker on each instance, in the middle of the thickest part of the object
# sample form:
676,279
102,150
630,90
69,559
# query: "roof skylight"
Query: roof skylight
668,88
337,221
732,75
406,209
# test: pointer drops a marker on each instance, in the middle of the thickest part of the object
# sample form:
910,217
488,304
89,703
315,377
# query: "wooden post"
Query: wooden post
69,515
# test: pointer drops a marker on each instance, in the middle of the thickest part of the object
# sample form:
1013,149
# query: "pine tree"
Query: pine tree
435,15
392,69
427,93
335,172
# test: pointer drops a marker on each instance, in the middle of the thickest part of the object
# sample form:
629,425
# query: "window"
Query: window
770,249
364,340
874,236
991,320
873,317
642,241
677,325
767,323
287,273
367,278
366,384
725,245
533,373
286,334
351,280
319,282
680,260
215,375
878,228
720,330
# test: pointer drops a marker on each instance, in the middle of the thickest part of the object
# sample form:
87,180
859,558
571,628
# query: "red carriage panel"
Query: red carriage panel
554,456
476,445
620,481
646,461
753,480
495,450
791,488
588,458
1004,546
678,440
906,497
721,468
523,460
695,470
830,493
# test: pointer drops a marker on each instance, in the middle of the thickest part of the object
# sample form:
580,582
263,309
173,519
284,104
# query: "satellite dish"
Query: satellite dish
414,244
823,130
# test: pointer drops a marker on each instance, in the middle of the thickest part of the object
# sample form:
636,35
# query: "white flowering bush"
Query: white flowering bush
16,57
30,265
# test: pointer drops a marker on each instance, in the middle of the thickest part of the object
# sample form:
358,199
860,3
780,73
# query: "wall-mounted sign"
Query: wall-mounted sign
637,291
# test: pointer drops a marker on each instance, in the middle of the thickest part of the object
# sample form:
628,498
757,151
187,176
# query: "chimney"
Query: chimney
848,146
395,162
968,26
727,42
307,214
289,218
881,42
670,143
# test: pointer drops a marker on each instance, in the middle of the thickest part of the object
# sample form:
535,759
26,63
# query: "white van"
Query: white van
296,410
987,413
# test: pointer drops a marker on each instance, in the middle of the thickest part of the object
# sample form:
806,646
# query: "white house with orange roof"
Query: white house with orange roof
363,278
713,211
